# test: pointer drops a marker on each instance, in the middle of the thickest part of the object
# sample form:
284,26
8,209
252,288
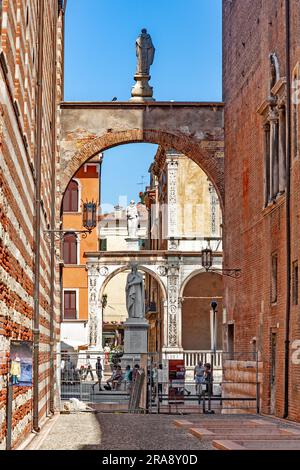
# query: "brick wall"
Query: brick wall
252,29
18,97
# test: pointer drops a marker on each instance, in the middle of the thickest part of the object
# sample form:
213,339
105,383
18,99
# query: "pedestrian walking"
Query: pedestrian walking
198,377
208,378
69,371
99,370
106,350
160,381
88,367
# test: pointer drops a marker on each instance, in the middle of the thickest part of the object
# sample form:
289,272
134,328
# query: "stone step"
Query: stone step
222,423
261,444
276,434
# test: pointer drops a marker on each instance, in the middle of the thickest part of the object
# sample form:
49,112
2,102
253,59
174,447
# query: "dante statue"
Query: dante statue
132,219
135,296
144,52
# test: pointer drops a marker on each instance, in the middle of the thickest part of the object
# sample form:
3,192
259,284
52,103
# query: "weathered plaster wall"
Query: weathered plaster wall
195,129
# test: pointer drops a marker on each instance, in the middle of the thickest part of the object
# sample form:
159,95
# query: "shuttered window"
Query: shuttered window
69,304
70,201
70,248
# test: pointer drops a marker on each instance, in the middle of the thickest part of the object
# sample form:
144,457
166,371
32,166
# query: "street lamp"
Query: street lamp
207,258
89,215
207,262
89,222
213,325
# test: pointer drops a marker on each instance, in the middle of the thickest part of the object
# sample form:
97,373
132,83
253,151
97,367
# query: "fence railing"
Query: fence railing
191,358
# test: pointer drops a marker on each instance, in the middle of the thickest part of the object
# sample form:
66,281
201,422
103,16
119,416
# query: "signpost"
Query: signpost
20,375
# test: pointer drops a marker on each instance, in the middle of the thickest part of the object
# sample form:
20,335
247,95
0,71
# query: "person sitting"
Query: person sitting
109,382
127,378
117,378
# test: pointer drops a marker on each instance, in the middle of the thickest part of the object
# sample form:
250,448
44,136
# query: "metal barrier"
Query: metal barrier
235,386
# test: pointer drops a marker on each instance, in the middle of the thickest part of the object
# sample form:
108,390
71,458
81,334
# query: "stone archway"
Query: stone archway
194,129
197,292
113,285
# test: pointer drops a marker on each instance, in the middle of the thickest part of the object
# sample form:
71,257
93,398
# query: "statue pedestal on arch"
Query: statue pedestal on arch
136,326
145,50
142,91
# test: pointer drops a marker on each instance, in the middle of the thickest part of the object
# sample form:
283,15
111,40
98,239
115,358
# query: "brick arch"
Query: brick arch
211,164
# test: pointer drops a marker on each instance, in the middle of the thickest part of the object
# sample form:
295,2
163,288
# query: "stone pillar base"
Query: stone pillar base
132,244
142,91
135,341
136,335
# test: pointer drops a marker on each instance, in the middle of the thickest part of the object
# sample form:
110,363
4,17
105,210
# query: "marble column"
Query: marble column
282,149
266,129
274,164
173,309
172,170
94,308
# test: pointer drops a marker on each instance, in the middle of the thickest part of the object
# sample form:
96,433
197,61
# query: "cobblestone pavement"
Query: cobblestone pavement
117,431
73,431
145,432
122,431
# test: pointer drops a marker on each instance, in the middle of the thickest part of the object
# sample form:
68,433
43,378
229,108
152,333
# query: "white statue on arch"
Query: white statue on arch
132,219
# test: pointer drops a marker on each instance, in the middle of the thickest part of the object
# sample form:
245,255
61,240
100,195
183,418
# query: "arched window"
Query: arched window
70,248
70,202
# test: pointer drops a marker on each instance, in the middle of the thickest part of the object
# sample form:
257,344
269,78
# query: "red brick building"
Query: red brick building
31,47
261,57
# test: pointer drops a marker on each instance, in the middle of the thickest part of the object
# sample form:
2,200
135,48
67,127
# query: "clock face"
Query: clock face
103,270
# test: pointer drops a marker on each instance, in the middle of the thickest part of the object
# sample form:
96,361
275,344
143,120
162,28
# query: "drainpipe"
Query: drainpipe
288,203
53,214
37,220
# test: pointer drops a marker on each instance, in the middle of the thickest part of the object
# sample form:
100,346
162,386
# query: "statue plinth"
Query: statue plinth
133,244
142,91
135,336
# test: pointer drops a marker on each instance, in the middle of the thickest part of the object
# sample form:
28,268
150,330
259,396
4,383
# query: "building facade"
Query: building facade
113,235
31,75
184,215
261,46
84,186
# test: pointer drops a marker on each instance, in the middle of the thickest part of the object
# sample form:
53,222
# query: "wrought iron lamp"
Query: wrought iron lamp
89,222
207,262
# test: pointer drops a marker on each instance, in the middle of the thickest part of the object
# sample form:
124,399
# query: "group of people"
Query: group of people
71,374
118,378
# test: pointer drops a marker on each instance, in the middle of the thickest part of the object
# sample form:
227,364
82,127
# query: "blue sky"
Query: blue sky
100,63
